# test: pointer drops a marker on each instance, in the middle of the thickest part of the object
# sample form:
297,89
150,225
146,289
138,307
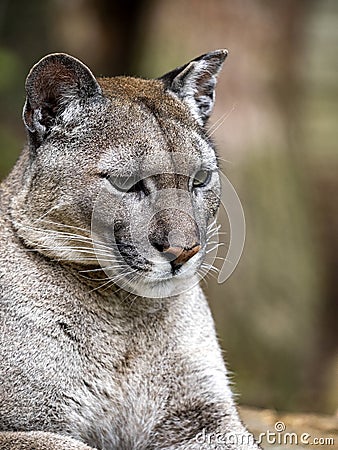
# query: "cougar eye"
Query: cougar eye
123,184
202,177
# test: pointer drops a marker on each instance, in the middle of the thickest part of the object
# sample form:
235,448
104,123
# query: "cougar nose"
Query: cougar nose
178,255
175,235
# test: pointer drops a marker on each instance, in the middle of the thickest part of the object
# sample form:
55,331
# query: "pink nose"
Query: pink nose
181,255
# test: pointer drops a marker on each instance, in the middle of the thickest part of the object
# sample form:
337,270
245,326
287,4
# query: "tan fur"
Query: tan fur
84,361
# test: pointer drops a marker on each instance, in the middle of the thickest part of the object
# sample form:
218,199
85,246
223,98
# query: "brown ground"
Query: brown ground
320,431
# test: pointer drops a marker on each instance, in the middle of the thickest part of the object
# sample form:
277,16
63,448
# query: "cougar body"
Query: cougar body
107,340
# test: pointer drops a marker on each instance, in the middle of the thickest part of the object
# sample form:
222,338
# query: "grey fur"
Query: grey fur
108,369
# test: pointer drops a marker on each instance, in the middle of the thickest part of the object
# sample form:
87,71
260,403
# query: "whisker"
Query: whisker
221,244
67,237
75,236
224,160
94,279
220,121
222,258
96,270
59,224
216,123
114,280
210,267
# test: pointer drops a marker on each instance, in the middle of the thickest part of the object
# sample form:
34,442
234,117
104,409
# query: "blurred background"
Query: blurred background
275,124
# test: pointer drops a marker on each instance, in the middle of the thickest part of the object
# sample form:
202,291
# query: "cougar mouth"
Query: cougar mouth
136,274
160,287
132,258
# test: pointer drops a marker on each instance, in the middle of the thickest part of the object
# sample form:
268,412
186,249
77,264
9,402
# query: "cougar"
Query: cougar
106,223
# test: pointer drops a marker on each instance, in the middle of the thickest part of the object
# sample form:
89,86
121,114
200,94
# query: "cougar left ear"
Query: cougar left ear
195,82
52,85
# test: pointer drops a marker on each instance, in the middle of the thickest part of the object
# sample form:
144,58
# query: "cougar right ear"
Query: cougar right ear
54,83
195,82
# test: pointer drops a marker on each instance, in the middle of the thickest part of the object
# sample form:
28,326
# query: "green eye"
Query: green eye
123,184
202,178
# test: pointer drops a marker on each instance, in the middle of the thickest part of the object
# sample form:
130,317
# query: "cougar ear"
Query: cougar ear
195,82
51,85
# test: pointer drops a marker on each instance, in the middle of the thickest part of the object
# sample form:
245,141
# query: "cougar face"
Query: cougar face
121,175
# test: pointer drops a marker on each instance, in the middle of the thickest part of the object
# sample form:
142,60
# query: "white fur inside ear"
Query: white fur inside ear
37,117
190,102
195,86
56,87
186,85
71,111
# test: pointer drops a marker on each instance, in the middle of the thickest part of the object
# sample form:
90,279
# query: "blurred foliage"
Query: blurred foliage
11,101
276,316
268,314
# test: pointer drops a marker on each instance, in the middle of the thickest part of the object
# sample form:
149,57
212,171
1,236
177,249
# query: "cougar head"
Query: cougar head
120,174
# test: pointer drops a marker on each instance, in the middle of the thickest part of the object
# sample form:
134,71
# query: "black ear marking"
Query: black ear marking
51,85
195,82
